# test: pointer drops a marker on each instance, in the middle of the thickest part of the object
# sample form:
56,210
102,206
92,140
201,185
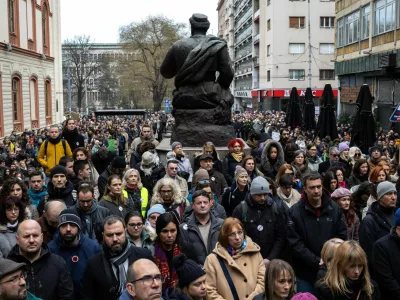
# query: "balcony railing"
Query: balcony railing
245,34
256,14
256,38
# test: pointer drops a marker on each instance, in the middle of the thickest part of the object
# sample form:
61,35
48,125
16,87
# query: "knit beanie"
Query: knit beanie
374,148
157,208
343,146
397,217
238,171
259,185
175,144
304,296
200,175
187,270
384,188
58,169
66,217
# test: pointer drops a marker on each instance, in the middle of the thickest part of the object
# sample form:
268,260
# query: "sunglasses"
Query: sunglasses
357,154
335,155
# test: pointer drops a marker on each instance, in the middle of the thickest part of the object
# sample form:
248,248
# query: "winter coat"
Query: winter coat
293,198
217,182
309,229
92,221
102,182
138,199
53,154
48,276
181,183
37,196
353,229
217,164
386,264
176,294
117,209
355,179
246,269
313,162
102,164
324,293
140,140
149,181
373,227
191,242
148,237
270,168
265,224
7,240
183,164
76,257
67,194
31,211
228,168
232,197
96,283
73,138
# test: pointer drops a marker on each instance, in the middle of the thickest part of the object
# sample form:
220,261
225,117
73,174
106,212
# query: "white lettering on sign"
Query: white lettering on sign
244,94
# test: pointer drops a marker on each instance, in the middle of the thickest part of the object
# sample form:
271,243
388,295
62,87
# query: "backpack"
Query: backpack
63,144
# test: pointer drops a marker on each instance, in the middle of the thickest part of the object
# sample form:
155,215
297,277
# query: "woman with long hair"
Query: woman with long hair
114,198
249,164
237,255
137,194
71,135
327,253
279,281
330,182
348,276
343,198
232,159
339,172
354,155
12,213
360,173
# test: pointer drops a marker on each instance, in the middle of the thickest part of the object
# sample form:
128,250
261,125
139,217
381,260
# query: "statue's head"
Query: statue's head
199,22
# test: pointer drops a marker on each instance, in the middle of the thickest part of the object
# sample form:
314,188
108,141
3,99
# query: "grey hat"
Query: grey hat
384,188
175,144
8,266
259,185
66,217
205,156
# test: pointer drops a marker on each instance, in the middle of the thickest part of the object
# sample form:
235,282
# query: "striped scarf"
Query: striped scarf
161,260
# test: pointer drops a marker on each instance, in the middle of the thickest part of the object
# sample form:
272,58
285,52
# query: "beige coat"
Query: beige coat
247,271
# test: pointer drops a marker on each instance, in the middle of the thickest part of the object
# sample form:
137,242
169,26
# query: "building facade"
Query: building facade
30,65
272,52
368,52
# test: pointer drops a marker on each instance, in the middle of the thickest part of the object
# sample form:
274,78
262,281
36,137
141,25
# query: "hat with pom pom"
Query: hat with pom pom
188,270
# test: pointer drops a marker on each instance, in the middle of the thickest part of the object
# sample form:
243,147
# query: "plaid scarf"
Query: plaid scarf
161,260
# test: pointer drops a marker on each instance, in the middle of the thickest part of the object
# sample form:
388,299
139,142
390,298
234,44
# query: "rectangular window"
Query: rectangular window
15,96
11,16
326,74
296,22
296,74
269,25
325,48
383,16
297,48
268,50
327,22
339,37
268,75
366,12
352,28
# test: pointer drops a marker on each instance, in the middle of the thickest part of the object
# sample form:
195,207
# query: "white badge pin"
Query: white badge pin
213,178
185,227
260,228
120,208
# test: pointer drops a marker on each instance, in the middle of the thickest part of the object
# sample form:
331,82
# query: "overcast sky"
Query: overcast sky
101,19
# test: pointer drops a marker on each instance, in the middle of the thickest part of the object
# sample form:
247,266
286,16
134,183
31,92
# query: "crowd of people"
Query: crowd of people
89,211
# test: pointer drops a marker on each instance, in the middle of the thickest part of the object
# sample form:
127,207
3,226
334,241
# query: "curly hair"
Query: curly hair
232,142
8,202
84,150
8,188
176,193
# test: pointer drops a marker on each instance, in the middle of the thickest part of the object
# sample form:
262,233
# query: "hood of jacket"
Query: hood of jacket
59,241
280,160
63,192
16,256
293,197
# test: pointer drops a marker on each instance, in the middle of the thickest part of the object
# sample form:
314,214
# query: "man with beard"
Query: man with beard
284,137
59,188
73,247
71,135
12,281
217,180
47,274
105,275
37,188
146,135
49,220
150,170
52,150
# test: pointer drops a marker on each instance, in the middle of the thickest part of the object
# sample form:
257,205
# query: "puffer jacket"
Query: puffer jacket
53,155
7,240
270,168
246,268
191,240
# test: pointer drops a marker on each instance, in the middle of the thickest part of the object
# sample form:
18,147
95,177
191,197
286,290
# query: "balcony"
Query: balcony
256,38
243,20
256,16
243,36
256,61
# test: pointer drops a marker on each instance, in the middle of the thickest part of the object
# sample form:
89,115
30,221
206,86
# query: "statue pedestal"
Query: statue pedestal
191,151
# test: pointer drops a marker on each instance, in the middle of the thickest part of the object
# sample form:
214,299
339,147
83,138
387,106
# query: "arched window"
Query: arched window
48,102
13,22
34,100
16,92
45,29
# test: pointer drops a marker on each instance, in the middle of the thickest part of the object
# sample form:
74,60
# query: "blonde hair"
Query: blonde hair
347,254
127,174
328,250
176,193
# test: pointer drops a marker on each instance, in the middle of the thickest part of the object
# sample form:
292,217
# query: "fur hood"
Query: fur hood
265,163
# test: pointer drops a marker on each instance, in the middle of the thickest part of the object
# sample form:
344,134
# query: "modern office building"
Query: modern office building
30,65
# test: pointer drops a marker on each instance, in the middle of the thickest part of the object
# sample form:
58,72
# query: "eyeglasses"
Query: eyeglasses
166,192
148,280
335,155
234,234
16,278
357,154
135,225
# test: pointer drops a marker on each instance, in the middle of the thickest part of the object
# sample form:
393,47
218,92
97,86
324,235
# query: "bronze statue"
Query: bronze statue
201,101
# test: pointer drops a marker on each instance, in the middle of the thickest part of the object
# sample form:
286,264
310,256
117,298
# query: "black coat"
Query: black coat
232,197
102,181
265,224
307,233
96,285
48,276
67,194
228,168
374,226
73,138
324,293
217,182
102,164
386,263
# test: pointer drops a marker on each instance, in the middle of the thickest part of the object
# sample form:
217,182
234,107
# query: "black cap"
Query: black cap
187,270
205,156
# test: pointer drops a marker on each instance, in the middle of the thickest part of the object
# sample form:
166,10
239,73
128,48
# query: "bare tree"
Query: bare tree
149,42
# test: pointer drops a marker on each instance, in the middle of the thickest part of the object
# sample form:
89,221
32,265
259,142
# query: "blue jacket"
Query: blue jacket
76,257
36,197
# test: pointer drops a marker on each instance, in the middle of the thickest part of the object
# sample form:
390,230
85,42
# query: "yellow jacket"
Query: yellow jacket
53,155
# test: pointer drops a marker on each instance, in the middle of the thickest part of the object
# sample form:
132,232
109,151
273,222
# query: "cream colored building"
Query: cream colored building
30,65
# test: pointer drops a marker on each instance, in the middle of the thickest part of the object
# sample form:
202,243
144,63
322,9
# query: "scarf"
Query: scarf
161,260
237,156
118,263
12,227
54,141
233,252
